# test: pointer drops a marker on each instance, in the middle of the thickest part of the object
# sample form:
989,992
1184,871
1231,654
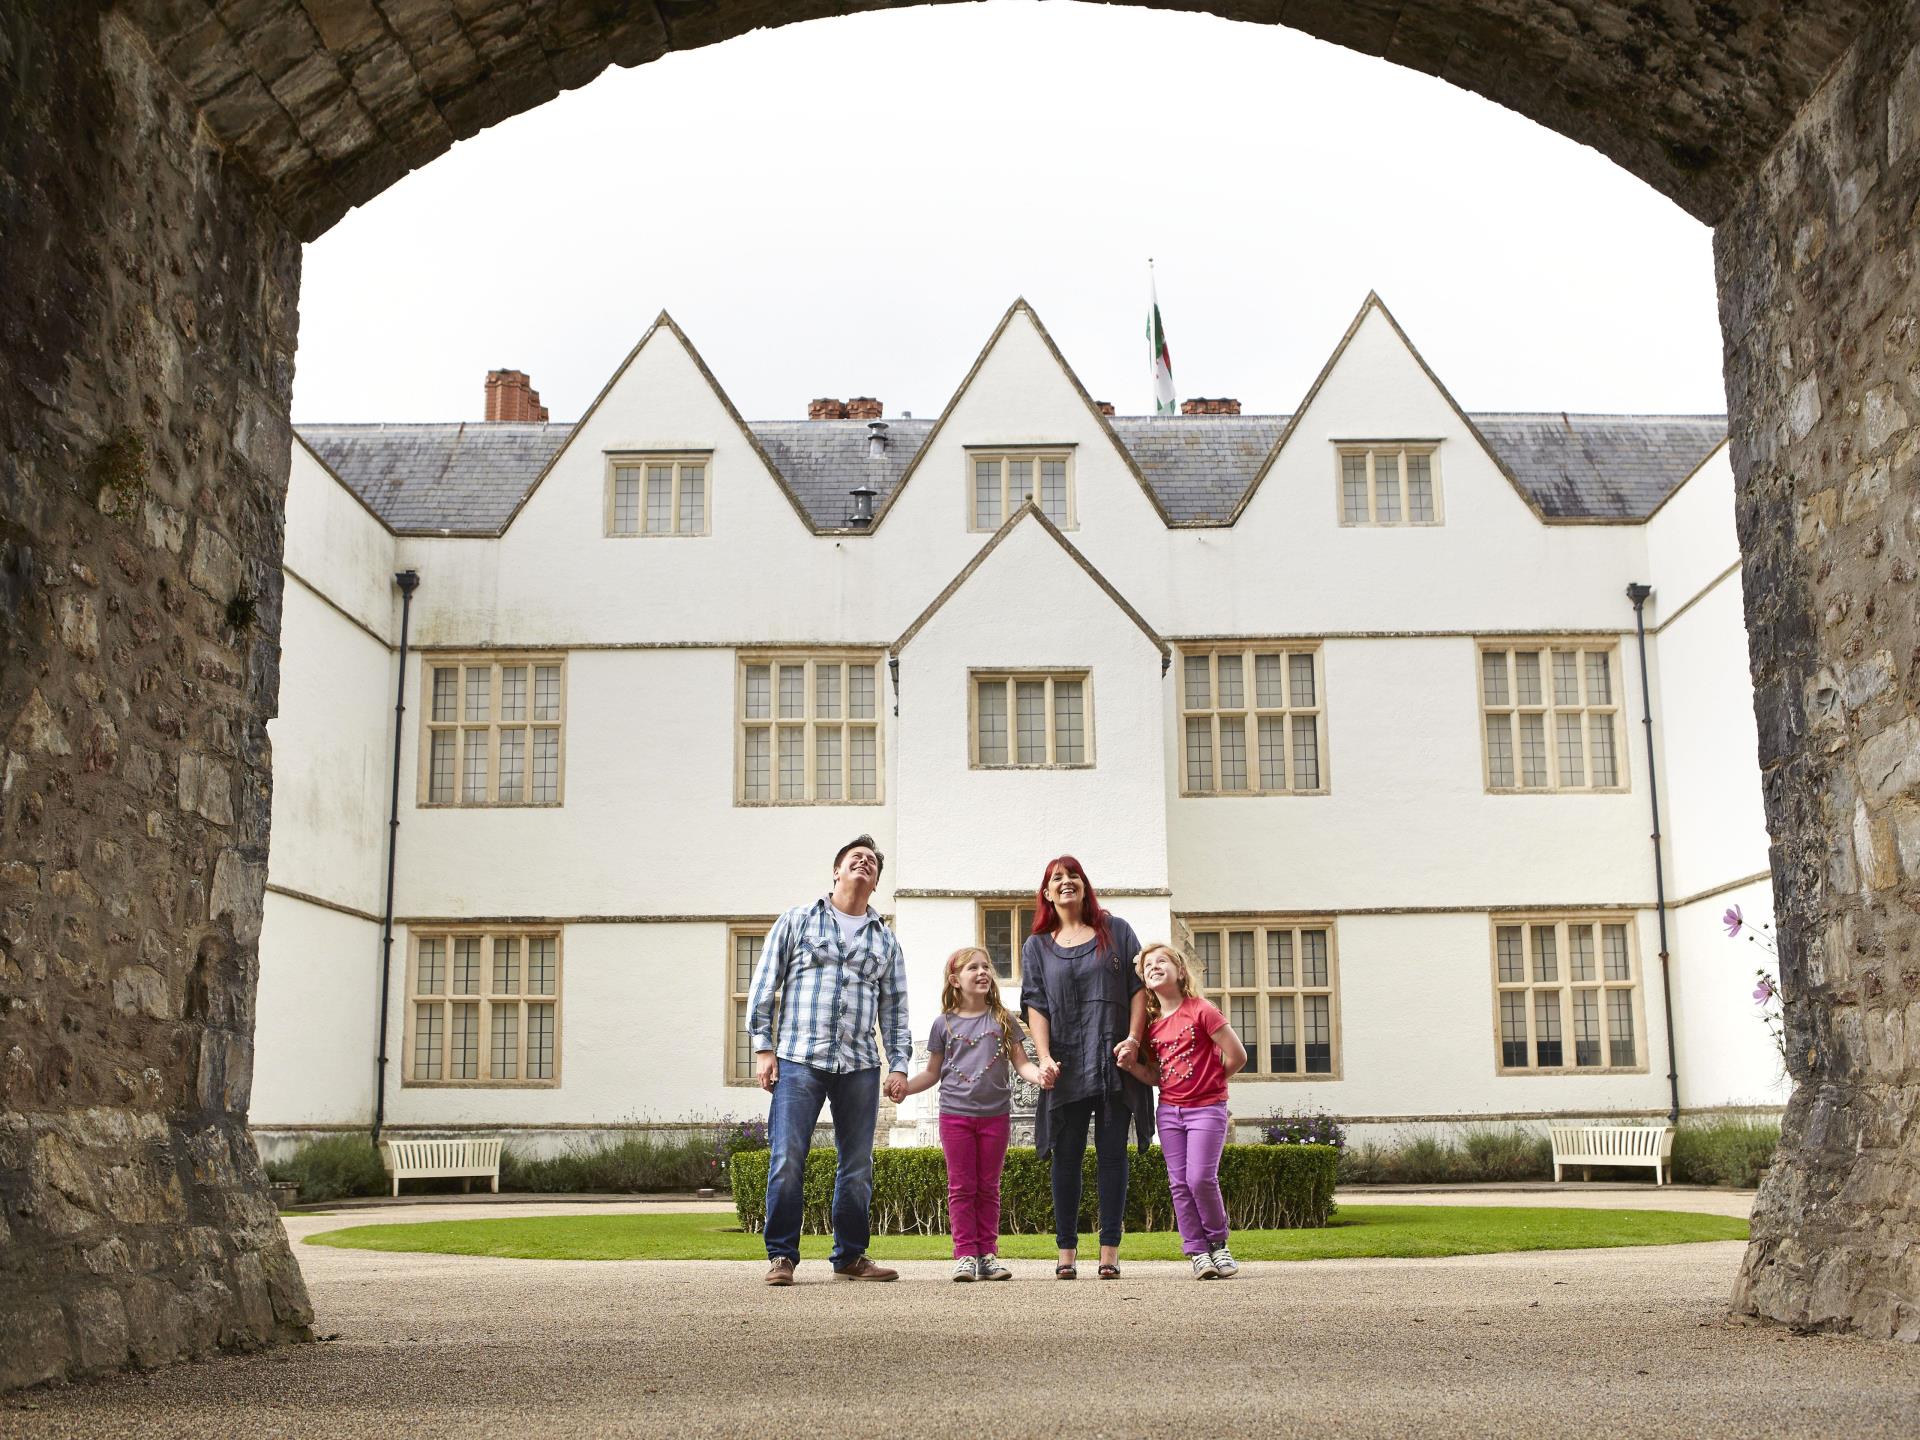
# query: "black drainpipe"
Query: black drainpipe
408,581
1638,594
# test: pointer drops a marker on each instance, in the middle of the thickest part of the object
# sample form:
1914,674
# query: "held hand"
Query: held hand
1049,1072
766,1070
896,1087
1127,1052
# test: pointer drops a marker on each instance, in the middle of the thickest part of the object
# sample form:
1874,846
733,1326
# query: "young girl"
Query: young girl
1194,1051
973,1050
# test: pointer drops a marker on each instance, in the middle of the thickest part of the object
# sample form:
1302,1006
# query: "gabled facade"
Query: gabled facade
1348,701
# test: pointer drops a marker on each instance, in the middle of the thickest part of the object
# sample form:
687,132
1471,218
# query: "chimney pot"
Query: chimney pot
864,407
1201,405
1105,407
827,409
511,396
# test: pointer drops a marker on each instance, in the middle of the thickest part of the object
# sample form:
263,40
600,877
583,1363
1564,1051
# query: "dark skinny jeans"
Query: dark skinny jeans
1110,1121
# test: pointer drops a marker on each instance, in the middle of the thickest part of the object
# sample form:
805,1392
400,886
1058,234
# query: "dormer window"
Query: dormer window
1389,484
1000,482
657,495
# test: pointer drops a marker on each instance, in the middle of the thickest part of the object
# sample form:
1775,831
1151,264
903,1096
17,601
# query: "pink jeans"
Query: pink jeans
976,1147
1192,1136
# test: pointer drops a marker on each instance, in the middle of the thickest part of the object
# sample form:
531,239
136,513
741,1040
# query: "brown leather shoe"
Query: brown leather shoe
865,1269
780,1272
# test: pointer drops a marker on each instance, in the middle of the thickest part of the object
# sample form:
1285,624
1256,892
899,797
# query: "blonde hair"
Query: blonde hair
950,996
1188,990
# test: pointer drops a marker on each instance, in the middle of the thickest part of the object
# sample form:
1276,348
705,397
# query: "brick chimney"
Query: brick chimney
1199,405
1105,407
826,410
511,396
864,407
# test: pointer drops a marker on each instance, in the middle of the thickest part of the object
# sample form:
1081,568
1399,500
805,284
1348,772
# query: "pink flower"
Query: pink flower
1733,920
1763,992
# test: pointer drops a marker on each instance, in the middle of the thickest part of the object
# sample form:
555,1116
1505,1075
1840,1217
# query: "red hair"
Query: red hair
1046,921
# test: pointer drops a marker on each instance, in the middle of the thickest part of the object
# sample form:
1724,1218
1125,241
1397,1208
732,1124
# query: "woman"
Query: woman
1087,1013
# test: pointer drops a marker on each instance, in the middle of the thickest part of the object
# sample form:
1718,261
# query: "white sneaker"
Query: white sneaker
1203,1266
964,1269
988,1267
1224,1262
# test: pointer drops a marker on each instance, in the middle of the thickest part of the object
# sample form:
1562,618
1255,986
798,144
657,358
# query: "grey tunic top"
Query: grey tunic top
1085,991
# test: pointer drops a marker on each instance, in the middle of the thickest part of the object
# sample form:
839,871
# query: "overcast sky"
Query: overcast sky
848,206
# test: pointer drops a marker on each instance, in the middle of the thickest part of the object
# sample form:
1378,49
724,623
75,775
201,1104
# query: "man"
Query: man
838,972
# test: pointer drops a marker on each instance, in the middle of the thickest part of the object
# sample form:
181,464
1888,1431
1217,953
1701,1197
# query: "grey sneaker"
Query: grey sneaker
1203,1266
965,1269
989,1267
1224,1262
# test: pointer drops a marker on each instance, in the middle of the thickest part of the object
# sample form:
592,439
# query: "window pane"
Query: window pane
1613,946
546,692
513,765
996,928
546,767
542,970
1493,676
432,977
427,1041
1243,1014
1301,669
1533,749
466,965
986,494
1313,957
863,744
743,1063
506,966
1273,753
1586,1027
860,692
1069,724
1386,488
1420,487
446,689
1566,677
1206,950
1580,952
1546,1027
1019,483
793,692
1030,700
539,1042
1282,1054
826,763
1240,971
463,1055
1199,754
1229,668
473,767
1353,489
1499,750
1526,676
793,763
440,768
826,691
626,501
693,499
1053,490
505,1061
513,692
746,955
1507,950
1233,752
1620,1027
1306,753
1600,731
1269,691
1573,765
1513,1028
759,697
1546,959
754,776
1199,681
479,692
1599,678
659,499
993,721
1316,1024
1280,957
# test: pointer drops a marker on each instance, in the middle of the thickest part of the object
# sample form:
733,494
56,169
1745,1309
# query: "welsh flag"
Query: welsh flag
1161,360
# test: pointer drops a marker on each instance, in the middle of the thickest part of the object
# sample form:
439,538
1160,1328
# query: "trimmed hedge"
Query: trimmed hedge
331,1168
1724,1152
1266,1187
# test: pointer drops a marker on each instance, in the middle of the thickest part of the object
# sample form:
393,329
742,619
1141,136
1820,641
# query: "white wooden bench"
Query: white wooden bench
1589,1145
432,1159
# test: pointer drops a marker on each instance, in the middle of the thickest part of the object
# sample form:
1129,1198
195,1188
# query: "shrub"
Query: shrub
1306,1127
1265,1187
630,1165
333,1167
1481,1154
1724,1152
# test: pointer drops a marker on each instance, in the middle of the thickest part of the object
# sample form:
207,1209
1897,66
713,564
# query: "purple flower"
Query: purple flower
1763,992
1733,920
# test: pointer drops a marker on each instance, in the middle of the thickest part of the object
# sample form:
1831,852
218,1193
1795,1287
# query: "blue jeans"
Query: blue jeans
797,1097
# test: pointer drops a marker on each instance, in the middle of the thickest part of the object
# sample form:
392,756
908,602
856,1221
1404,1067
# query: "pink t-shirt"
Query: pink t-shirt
1191,1072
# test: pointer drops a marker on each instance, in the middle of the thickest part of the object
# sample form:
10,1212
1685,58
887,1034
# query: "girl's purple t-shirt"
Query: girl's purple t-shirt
975,1076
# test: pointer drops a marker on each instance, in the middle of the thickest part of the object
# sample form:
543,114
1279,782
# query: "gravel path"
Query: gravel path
1631,1341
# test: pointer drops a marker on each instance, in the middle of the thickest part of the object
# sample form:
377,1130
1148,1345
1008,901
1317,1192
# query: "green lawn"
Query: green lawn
1395,1230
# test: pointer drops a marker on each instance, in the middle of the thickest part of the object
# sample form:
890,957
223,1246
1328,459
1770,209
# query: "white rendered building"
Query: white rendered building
1348,701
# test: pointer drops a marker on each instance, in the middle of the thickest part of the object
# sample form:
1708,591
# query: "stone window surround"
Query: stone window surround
486,998
1016,911
1258,1044
1564,984
735,1023
459,660
809,725
1008,676
1599,643
1069,519
1253,712
1374,451
618,460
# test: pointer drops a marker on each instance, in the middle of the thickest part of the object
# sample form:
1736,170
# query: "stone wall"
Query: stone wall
1821,313
147,321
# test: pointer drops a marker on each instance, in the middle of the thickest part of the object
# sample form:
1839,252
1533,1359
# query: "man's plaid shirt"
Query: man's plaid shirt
830,999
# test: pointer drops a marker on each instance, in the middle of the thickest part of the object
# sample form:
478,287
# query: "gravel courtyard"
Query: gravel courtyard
1630,1341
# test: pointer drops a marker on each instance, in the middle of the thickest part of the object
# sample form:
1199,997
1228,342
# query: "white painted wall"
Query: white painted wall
313,1058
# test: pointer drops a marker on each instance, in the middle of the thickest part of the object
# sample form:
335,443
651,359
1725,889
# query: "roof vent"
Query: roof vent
861,515
876,439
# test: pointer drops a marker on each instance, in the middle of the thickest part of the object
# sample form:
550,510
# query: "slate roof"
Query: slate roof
466,479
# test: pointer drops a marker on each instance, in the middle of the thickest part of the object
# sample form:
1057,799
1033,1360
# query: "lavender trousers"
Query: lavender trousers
976,1147
1192,1137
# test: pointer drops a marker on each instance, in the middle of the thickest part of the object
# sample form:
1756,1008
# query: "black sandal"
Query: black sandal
1110,1272
1066,1270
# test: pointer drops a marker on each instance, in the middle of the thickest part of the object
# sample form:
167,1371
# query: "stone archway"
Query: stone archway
161,162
